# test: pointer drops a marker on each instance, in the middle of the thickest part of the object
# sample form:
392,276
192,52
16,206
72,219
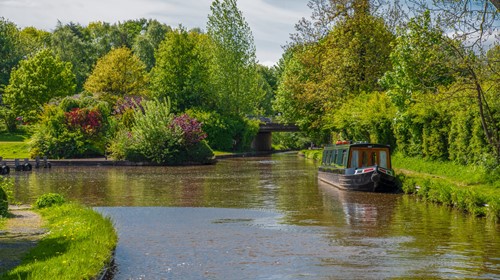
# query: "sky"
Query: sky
271,21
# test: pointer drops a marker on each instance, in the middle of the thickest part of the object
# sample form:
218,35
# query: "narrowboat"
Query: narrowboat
358,167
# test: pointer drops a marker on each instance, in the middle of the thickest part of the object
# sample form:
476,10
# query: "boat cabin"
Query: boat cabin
356,156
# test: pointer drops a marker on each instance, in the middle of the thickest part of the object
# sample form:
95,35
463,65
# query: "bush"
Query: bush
227,133
5,195
158,136
49,200
73,129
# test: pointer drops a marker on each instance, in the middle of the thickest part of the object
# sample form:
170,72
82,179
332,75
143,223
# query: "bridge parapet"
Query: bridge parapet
278,127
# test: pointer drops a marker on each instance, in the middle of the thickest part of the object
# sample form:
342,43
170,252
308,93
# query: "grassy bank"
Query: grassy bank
15,144
468,188
79,244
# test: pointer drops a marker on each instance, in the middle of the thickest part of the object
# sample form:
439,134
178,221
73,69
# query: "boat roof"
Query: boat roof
359,145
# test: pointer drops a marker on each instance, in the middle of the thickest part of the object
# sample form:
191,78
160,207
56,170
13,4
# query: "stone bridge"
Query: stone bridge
263,140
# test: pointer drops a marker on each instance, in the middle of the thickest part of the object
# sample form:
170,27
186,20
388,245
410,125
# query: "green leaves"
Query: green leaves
36,81
117,74
182,71
233,70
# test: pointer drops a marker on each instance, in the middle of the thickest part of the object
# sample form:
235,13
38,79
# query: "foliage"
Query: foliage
158,136
226,133
78,245
320,77
290,140
233,69
74,128
49,200
422,62
9,119
36,81
182,70
117,74
146,43
6,195
367,117
9,50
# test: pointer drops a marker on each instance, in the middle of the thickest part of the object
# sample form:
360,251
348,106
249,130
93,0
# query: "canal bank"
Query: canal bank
467,188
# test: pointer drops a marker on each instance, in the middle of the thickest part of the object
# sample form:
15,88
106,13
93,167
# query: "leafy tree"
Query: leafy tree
117,74
320,76
33,40
146,44
233,70
182,71
268,81
444,70
71,43
36,81
9,50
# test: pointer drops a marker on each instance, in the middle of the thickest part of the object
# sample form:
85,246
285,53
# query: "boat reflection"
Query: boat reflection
359,208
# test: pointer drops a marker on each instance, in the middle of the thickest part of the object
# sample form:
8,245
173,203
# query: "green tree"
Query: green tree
71,43
117,74
146,44
9,50
36,81
233,70
428,65
319,77
182,71
33,40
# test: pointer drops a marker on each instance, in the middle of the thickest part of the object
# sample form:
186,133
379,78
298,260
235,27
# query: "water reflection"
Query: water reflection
268,217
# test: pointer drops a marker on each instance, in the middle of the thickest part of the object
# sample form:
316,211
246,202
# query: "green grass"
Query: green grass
15,144
467,188
79,245
312,154
14,150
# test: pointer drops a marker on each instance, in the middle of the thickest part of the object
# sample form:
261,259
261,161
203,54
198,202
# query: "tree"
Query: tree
146,44
71,43
182,71
233,73
117,74
321,75
433,71
36,81
33,40
9,50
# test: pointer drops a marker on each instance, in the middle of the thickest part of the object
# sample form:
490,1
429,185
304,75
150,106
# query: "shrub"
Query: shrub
158,136
227,133
5,195
49,200
75,128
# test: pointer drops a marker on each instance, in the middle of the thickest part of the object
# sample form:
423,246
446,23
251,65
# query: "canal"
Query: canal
269,218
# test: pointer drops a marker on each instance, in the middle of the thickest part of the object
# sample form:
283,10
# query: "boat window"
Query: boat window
364,159
354,159
374,158
340,157
344,157
383,159
331,154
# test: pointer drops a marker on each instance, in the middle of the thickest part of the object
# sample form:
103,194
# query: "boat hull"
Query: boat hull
366,182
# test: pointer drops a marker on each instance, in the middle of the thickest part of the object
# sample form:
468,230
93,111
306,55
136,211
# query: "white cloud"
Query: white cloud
271,21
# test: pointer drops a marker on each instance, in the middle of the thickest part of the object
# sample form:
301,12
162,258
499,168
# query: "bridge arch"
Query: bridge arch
263,140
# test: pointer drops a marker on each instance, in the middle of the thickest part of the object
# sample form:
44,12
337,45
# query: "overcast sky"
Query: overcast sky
271,21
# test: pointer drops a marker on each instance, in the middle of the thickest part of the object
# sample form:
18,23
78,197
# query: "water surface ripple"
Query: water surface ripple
269,218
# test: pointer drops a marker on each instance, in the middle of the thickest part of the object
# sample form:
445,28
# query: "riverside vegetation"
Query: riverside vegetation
79,243
469,189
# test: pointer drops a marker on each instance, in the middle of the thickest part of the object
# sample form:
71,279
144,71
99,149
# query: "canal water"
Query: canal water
269,218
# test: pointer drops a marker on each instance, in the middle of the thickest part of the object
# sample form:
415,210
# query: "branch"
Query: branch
496,3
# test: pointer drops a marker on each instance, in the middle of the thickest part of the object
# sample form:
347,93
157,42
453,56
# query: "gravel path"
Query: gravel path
22,232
